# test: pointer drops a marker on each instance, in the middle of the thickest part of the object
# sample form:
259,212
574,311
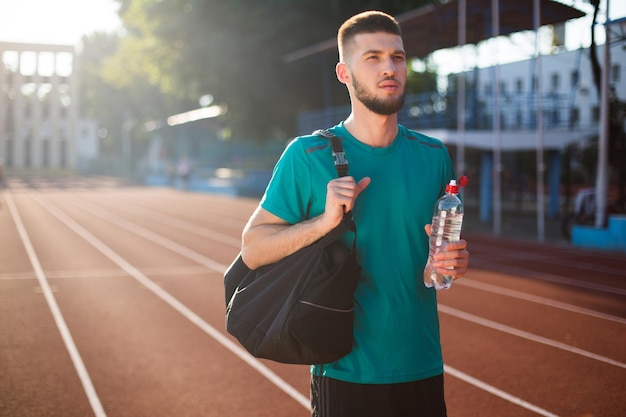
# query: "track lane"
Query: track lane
561,382
53,306
180,307
591,334
193,289
587,269
87,308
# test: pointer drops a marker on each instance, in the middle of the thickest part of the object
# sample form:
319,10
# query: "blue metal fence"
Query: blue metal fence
439,111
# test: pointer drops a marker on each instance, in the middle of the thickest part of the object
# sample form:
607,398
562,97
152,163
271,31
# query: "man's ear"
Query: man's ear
343,75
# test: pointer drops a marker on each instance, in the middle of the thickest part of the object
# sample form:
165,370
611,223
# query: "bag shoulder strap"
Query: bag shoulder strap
341,162
341,165
346,225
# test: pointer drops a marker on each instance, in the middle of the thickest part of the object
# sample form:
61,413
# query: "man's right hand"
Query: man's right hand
341,193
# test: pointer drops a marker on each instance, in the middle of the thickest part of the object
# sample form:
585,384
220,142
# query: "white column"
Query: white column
497,139
539,110
3,111
460,106
72,138
35,119
603,144
18,109
53,117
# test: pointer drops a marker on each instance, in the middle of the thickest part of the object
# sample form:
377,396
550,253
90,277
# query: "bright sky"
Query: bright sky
66,21
55,21
520,46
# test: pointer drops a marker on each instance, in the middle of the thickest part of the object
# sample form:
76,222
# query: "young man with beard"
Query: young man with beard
396,176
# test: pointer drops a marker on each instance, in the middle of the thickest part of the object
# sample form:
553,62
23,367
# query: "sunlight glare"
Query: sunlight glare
62,22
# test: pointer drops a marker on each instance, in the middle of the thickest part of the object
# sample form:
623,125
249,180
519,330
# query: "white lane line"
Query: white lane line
105,273
529,336
495,289
10,276
557,256
497,392
183,225
79,365
227,220
529,273
177,305
154,237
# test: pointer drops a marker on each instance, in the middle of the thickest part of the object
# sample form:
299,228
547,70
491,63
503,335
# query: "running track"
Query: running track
111,304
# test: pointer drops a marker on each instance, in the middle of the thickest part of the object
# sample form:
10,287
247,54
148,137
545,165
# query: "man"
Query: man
395,367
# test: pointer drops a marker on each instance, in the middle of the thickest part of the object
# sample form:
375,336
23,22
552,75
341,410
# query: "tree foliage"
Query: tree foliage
175,51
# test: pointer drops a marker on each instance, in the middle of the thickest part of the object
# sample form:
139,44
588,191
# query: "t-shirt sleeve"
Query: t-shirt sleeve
289,191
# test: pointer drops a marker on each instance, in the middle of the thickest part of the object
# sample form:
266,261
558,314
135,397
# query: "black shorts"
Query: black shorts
333,398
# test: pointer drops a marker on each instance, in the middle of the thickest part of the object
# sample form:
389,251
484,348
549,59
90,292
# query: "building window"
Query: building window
63,153
10,118
519,85
574,117
555,81
595,114
574,78
9,152
27,152
45,144
615,73
555,117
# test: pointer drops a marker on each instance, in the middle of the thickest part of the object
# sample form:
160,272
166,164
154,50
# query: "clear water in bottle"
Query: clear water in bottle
445,227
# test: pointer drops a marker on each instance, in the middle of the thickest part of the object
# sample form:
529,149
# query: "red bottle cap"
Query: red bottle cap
453,187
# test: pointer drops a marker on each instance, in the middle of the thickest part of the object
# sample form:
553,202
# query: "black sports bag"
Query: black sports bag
298,310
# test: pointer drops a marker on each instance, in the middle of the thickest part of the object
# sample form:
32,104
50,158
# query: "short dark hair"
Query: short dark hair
366,22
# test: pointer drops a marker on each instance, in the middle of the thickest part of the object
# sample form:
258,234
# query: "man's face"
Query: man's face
378,70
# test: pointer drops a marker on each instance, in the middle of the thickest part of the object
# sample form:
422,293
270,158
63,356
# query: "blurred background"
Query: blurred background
205,94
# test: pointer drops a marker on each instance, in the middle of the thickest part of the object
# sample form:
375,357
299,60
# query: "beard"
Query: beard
374,104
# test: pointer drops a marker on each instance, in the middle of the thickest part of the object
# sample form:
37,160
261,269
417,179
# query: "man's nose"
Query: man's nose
389,68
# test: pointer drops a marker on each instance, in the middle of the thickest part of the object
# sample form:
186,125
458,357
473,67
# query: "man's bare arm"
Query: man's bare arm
268,238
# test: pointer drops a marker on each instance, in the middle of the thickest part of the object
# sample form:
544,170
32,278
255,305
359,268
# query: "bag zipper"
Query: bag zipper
338,310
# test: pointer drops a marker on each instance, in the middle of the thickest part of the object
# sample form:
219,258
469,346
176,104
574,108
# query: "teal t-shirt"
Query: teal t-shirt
396,328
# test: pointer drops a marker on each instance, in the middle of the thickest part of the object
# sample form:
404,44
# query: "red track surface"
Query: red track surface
111,304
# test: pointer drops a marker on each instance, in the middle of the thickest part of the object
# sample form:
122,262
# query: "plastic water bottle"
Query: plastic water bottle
445,227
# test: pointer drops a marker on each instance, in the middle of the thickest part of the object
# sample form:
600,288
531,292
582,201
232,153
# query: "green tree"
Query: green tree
234,51
120,103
